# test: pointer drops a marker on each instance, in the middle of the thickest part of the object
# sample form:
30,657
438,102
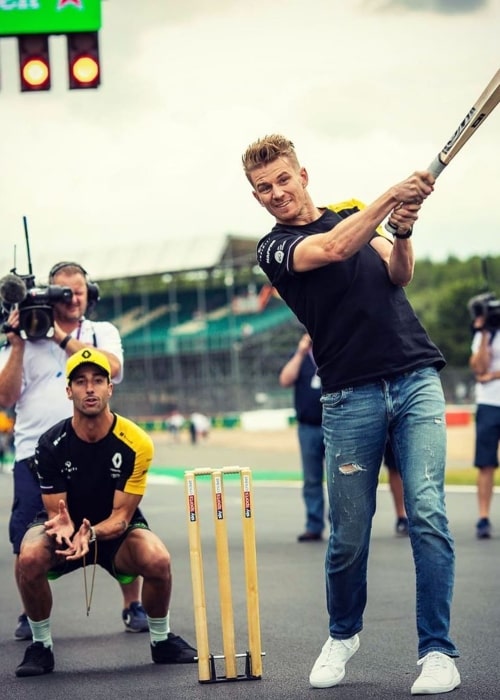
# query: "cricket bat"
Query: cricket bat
482,107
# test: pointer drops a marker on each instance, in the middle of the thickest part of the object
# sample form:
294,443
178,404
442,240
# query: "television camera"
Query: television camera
487,306
35,303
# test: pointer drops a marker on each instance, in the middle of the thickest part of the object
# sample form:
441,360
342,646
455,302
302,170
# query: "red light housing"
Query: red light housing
34,62
84,69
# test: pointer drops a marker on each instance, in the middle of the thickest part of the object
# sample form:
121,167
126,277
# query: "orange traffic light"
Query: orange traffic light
83,60
34,62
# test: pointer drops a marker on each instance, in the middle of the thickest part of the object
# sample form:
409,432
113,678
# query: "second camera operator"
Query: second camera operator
485,363
32,379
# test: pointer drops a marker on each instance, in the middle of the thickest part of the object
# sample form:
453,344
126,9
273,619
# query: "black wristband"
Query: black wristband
403,235
65,341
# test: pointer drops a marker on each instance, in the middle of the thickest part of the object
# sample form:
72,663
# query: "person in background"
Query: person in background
175,423
199,427
485,363
396,488
301,372
6,433
379,371
92,469
32,381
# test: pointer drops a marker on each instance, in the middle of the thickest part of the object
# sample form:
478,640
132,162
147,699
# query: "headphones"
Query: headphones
93,294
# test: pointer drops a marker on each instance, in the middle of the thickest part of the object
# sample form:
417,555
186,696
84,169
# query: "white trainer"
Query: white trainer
439,675
329,667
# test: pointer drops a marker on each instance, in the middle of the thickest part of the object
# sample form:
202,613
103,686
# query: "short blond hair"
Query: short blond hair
266,150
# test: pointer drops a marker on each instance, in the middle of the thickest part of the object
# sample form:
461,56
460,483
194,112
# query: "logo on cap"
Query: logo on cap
87,356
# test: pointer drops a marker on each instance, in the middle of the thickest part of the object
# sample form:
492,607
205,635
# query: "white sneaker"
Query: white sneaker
329,668
439,675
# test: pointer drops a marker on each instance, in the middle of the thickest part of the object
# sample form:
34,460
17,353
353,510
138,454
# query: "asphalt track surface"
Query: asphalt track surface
96,659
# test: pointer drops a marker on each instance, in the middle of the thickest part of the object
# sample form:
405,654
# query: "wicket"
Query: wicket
253,657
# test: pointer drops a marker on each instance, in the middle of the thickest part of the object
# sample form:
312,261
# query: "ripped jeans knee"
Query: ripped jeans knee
350,468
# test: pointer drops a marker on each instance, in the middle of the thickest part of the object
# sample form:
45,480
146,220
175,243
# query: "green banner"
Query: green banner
49,16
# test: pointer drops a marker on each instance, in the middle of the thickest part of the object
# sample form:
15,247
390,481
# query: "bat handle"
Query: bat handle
390,228
435,168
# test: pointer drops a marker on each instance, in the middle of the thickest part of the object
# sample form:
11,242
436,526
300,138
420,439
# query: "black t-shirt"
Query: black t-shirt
307,393
362,325
90,473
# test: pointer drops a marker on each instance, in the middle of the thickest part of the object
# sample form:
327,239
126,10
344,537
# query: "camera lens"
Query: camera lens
36,322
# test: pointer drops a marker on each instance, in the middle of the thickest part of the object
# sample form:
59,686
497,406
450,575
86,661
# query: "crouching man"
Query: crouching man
92,469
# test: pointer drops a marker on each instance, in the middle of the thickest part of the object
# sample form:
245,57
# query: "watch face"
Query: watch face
403,235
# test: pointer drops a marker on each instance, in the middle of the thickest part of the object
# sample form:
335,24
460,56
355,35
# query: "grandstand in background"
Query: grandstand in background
202,329
211,339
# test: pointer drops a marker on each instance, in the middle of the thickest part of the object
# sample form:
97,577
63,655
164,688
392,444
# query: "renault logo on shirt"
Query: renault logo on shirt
117,461
68,469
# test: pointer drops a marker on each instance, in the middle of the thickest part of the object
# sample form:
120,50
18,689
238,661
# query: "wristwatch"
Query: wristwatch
403,235
65,341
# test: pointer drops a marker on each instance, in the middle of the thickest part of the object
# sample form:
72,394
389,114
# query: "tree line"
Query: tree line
439,293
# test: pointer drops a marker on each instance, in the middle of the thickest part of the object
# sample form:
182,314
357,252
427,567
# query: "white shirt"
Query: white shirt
200,422
489,392
43,401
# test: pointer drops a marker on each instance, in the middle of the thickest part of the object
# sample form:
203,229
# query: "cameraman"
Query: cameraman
485,363
32,380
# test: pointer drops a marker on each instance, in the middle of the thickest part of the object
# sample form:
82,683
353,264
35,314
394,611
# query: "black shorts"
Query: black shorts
106,552
487,436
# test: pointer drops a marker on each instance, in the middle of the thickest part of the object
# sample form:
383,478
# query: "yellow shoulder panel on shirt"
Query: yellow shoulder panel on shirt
350,206
142,446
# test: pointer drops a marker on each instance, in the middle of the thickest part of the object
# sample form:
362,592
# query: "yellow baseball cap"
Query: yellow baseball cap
87,356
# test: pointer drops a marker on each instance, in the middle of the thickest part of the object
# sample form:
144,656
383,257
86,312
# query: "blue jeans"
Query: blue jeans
312,452
410,409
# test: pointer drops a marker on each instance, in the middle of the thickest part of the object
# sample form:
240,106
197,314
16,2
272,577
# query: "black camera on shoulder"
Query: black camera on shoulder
487,306
35,304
